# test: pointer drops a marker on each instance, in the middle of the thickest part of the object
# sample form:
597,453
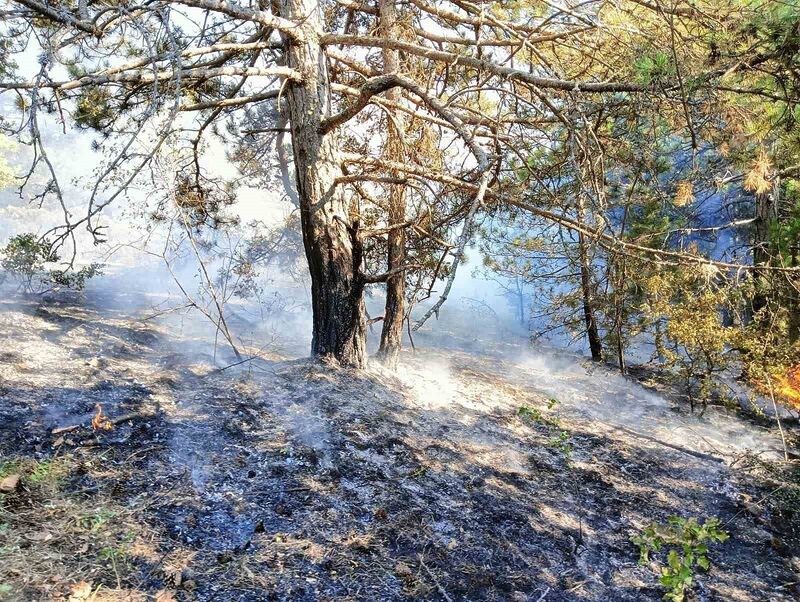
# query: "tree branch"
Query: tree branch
285,26
481,64
375,278
61,15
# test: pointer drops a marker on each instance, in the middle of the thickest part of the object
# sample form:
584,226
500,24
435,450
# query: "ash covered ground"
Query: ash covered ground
285,479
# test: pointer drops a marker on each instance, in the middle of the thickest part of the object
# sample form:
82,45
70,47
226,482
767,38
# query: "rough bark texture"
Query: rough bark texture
766,213
595,343
769,211
394,312
329,231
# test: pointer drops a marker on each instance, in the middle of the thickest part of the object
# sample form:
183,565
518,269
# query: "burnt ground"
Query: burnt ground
290,480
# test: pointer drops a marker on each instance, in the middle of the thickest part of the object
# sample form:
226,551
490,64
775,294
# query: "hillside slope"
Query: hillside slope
288,480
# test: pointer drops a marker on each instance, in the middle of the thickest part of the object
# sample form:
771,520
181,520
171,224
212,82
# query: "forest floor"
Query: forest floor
284,479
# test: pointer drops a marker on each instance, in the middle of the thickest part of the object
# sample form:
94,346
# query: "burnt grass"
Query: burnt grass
291,480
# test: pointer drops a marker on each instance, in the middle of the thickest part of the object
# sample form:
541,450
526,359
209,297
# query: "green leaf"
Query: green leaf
673,560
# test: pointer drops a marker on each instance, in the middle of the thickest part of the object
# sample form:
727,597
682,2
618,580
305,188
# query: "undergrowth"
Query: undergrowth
559,438
54,539
686,543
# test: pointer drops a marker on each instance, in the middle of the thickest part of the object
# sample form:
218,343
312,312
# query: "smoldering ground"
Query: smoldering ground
283,479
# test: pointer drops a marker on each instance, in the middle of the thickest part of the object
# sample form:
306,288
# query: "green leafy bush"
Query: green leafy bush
75,279
686,543
25,258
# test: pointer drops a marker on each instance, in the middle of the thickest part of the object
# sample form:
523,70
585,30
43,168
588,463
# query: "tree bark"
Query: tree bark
394,312
766,212
619,276
330,230
595,343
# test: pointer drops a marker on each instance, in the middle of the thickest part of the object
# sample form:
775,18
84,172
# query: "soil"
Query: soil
282,479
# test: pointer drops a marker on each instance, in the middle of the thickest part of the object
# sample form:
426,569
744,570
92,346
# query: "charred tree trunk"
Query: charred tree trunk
520,297
771,286
330,232
595,343
592,332
619,307
394,312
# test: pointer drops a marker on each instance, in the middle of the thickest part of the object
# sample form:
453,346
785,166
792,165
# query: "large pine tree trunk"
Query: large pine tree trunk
394,312
771,211
329,230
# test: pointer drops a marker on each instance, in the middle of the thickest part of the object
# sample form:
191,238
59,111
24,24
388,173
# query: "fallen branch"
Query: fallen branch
544,595
167,311
113,421
435,580
233,365
691,452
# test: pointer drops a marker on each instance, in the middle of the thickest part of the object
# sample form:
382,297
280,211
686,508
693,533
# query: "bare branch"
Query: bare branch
480,64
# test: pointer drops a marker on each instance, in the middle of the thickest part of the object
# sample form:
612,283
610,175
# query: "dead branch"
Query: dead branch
112,421
438,585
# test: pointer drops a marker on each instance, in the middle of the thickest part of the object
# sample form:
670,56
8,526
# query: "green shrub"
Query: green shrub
686,543
25,257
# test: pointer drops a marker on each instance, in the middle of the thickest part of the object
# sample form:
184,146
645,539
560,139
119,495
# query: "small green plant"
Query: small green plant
43,472
559,438
97,520
25,257
5,591
562,443
686,542
8,467
118,555
537,416
35,472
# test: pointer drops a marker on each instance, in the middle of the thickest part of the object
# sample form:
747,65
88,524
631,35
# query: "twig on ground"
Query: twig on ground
544,595
756,504
113,421
435,580
691,452
233,365
287,490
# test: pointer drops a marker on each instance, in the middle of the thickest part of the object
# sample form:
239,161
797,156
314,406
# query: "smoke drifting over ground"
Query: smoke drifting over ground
476,324
284,479
485,468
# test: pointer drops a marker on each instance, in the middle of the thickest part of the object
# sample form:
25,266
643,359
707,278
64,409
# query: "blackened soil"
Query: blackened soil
296,481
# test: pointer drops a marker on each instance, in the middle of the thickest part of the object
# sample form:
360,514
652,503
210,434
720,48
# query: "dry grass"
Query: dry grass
59,544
